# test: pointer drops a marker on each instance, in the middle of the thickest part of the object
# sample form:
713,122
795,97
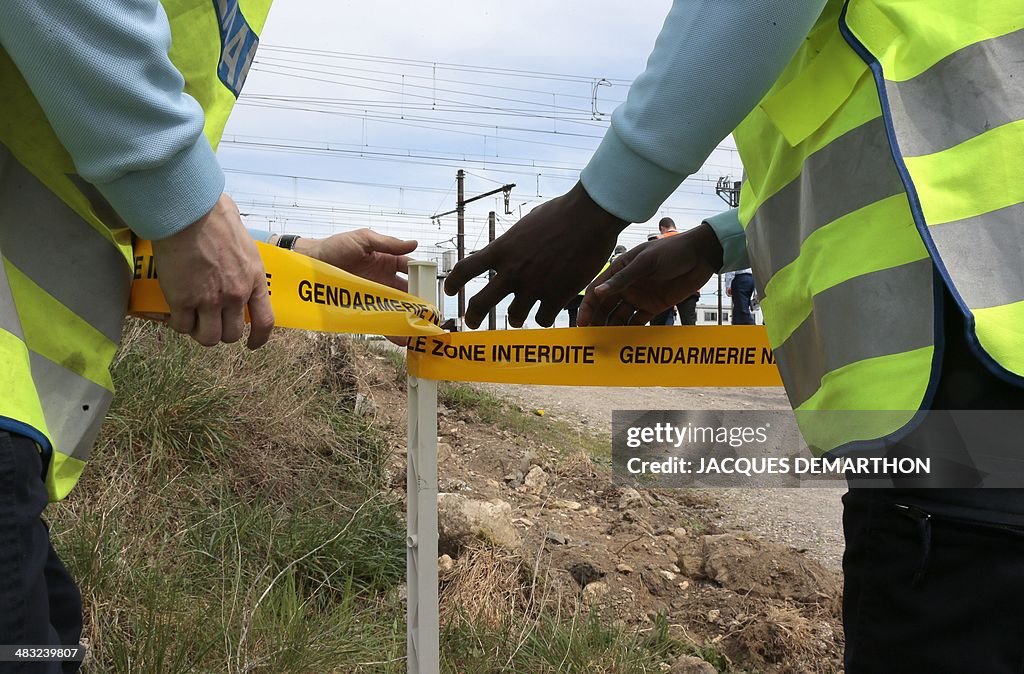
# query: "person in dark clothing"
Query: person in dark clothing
739,286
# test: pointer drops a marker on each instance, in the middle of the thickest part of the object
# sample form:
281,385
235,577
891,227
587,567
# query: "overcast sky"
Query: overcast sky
359,114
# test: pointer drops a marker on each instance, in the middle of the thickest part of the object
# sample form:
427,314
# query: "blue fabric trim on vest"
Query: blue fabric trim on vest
21,428
922,226
238,45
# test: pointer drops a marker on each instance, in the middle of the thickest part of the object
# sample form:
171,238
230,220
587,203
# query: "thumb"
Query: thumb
382,243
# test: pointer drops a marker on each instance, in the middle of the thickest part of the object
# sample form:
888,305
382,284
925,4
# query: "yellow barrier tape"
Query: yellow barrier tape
609,356
310,295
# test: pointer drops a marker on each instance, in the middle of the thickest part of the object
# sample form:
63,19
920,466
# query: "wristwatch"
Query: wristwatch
287,241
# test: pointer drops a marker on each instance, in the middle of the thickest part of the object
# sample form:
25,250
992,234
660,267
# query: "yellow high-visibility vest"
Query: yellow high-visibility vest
67,257
883,163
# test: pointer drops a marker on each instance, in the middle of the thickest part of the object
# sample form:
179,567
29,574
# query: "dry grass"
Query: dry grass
233,517
487,586
236,518
784,638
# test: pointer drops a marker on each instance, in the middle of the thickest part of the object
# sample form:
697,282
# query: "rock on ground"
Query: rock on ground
688,664
462,521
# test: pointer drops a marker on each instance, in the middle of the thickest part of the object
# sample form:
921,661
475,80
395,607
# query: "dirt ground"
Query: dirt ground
808,519
750,578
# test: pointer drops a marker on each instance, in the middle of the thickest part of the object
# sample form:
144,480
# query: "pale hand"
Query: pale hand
365,253
210,272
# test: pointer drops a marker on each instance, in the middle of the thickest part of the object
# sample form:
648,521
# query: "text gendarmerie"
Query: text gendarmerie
334,296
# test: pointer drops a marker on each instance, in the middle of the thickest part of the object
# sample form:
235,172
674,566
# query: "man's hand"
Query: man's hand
209,273
548,256
648,279
364,253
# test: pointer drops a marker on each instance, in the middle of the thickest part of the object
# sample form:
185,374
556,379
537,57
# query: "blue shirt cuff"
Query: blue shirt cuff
624,183
730,234
159,202
261,235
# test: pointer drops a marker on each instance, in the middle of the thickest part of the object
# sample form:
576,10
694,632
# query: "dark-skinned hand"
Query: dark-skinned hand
652,277
547,256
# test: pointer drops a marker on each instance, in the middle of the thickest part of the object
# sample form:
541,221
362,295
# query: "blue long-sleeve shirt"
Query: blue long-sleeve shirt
100,71
713,61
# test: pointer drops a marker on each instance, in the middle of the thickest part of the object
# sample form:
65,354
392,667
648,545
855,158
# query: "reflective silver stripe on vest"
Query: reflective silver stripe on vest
977,88
997,237
885,312
61,253
853,171
8,311
73,406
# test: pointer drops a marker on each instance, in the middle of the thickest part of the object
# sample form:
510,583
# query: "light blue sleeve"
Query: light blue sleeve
100,71
260,235
713,61
729,231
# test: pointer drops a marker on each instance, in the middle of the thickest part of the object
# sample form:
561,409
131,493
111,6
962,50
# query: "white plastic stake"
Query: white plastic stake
423,647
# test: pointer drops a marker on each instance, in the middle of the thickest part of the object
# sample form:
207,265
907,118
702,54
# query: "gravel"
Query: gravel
807,519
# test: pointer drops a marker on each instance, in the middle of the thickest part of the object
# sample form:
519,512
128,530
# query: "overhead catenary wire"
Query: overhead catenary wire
523,112
284,64
473,83
460,67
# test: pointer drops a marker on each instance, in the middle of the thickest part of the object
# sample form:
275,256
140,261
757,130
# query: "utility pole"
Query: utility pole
729,191
460,240
460,211
492,316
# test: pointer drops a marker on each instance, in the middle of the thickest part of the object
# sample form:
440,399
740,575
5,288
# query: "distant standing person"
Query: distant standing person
739,285
688,307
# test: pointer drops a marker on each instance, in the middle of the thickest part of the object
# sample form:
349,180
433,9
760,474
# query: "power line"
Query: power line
511,72
474,83
460,122
433,97
333,180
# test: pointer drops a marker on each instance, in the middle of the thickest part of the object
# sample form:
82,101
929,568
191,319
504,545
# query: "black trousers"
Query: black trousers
742,291
573,309
687,313
40,605
934,578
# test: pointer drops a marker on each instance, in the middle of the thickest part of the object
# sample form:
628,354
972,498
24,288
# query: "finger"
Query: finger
261,317
481,303
232,323
519,310
399,341
621,314
400,283
549,310
208,326
402,264
389,244
595,308
183,320
469,268
627,275
587,313
617,265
